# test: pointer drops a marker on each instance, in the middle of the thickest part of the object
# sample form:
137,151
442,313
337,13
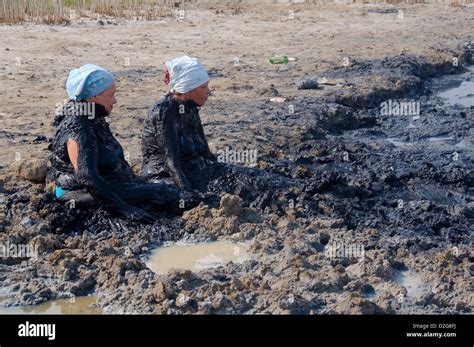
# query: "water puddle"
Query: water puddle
465,144
439,139
196,256
398,143
432,140
79,305
462,94
413,283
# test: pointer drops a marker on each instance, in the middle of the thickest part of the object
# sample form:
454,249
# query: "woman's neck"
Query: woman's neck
187,102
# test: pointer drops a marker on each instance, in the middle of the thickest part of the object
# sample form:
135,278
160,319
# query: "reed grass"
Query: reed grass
60,11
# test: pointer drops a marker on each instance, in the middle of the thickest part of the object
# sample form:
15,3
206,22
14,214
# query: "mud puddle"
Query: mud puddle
462,94
413,283
456,90
452,91
196,257
431,140
79,305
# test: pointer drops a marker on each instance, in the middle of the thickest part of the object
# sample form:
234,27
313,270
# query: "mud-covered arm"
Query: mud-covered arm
87,173
172,153
209,155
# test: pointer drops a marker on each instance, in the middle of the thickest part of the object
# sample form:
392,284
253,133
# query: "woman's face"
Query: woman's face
200,94
106,98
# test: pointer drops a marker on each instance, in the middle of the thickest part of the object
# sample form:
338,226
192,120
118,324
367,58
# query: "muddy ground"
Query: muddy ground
398,187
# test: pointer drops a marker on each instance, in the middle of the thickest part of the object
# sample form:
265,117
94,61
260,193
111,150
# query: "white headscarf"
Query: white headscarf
186,74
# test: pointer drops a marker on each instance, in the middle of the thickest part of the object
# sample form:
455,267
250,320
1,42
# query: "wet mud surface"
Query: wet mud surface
372,214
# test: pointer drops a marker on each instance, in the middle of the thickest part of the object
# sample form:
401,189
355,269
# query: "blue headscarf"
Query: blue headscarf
87,81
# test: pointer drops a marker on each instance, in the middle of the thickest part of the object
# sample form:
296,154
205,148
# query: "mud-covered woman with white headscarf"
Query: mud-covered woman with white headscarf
174,146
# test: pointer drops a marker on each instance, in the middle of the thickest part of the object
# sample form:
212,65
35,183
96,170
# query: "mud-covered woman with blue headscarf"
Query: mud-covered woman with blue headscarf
88,163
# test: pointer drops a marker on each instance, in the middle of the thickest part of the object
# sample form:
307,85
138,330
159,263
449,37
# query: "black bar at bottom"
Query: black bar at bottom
69,330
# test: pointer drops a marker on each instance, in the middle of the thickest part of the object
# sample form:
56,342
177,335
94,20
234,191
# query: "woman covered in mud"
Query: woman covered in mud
88,163
173,143
175,148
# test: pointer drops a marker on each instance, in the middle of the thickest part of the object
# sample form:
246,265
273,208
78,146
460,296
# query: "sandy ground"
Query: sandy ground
407,202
